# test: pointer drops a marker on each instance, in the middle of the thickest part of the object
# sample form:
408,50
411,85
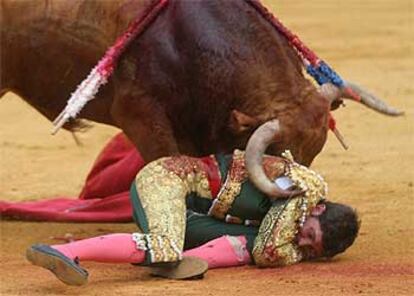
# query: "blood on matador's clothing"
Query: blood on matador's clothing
215,192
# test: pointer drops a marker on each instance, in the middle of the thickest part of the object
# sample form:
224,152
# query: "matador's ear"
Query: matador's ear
240,122
318,210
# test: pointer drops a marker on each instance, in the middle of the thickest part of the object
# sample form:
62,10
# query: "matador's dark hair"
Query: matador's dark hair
340,226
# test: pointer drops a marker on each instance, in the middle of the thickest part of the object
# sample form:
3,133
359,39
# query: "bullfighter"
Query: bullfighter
210,208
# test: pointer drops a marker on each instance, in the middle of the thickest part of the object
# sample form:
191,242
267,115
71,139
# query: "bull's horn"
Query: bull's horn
256,147
332,93
371,100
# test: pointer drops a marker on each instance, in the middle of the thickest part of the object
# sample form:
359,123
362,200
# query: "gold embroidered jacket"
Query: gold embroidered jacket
162,187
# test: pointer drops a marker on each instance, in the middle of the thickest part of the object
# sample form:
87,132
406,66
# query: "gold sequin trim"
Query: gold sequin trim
236,175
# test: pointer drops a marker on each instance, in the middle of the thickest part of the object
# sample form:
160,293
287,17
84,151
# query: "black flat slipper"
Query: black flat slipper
64,268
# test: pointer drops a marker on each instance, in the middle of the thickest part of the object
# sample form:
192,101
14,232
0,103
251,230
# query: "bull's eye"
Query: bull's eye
337,103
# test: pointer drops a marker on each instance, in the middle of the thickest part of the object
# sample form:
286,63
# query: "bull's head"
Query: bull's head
275,131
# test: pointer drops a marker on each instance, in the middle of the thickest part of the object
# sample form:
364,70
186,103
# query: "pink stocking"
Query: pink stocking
224,251
114,248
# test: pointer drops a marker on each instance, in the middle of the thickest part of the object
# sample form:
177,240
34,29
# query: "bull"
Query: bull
204,77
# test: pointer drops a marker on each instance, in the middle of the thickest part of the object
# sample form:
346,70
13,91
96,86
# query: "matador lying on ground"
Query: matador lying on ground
173,206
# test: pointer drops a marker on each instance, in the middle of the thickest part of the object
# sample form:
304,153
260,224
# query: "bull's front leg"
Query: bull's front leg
145,123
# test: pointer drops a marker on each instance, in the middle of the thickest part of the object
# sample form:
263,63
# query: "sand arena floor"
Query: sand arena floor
367,41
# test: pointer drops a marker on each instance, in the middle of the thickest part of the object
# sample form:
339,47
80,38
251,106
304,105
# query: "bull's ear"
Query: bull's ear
240,122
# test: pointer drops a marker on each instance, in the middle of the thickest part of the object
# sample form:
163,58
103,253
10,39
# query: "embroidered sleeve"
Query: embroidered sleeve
274,244
311,182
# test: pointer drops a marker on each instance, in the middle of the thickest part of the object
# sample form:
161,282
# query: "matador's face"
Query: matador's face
309,238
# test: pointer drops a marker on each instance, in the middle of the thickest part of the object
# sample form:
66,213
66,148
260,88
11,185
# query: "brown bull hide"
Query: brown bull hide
200,79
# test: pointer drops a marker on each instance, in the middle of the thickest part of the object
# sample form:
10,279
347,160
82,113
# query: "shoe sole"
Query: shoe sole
61,269
188,268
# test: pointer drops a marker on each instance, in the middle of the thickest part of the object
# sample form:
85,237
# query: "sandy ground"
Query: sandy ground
367,41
